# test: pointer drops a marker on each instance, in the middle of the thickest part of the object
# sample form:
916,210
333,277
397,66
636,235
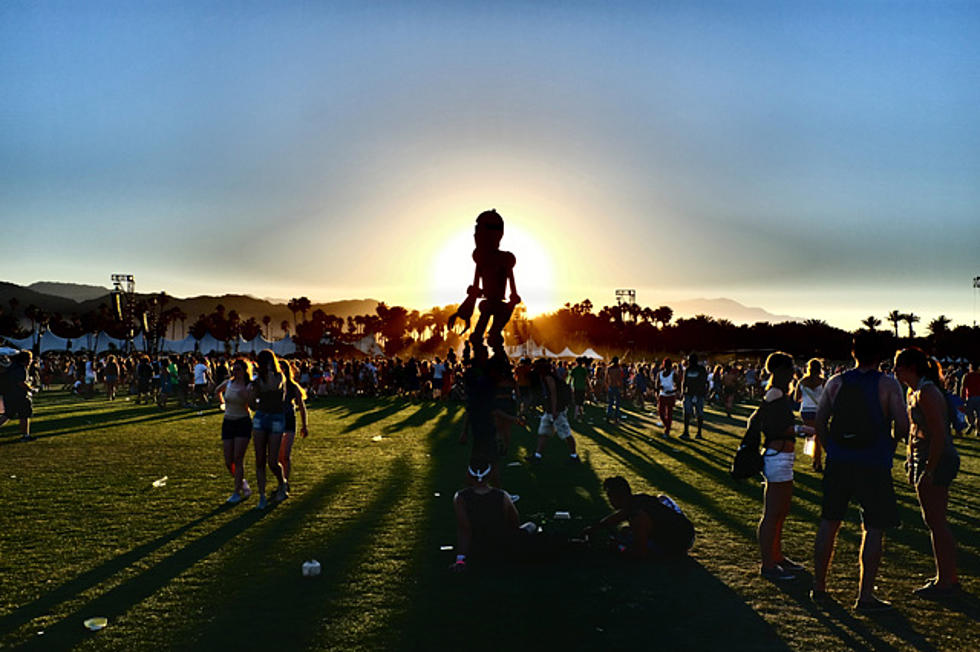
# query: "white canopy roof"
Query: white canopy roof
589,353
568,353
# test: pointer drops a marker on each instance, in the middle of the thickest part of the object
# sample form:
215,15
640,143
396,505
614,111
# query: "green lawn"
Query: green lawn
84,533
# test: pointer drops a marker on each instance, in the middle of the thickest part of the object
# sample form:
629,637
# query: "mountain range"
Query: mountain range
68,298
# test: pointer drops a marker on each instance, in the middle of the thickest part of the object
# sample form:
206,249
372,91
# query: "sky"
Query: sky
818,159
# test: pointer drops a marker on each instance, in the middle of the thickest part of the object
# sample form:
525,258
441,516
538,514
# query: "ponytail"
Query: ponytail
923,365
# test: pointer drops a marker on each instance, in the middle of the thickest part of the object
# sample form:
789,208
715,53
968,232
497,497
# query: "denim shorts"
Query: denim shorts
693,404
270,422
777,466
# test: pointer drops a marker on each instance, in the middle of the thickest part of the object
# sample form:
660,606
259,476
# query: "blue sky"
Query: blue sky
818,159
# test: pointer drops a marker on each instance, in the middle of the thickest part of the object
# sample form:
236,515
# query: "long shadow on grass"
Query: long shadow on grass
367,418
581,601
68,632
47,428
302,601
42,605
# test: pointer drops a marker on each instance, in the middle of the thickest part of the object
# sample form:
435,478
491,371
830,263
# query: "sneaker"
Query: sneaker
777,573
872,605
535,459
279,495
234,499
27,438
263,503
246,491
685,436
698,436
791,565
931,591
574,459
514,497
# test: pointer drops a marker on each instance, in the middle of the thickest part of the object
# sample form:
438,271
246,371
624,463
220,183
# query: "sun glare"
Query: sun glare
453,268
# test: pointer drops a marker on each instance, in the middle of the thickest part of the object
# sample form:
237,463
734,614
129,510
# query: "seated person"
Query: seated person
486,521
657,526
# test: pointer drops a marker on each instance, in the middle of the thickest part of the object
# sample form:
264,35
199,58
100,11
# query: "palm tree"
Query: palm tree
871,322
894,317
303,305
939,325
910,319
663,315
293,306
285,327
266,320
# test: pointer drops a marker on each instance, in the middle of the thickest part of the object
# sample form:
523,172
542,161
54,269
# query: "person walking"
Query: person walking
932,462
854,422
808,392
667,387
614,382
269,423
235,394
694,389
295,399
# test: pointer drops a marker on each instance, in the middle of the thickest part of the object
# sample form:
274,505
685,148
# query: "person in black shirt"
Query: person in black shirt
694,389
17,394
657,526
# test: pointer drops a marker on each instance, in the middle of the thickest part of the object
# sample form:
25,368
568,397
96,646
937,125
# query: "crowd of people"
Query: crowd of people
852,421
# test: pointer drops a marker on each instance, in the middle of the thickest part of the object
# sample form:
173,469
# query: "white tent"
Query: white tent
104,340
592,355
368,345
51,342
286,346
185,345
22,343
550,354
210,344
568,353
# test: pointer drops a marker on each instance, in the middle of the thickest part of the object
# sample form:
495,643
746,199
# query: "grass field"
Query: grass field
84,533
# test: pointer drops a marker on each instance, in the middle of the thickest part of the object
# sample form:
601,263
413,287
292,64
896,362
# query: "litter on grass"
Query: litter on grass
437,494
514,464
445,548
562,516
97,623
162,482
377,438
311,568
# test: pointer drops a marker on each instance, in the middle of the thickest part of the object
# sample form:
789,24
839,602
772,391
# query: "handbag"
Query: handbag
748,460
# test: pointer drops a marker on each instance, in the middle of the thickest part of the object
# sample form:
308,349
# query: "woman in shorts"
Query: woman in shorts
808,392
777,422
295,398
235,394
269,391
667,386
932,462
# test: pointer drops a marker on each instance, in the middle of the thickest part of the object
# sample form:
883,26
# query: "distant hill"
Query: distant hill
55,297
721,308
73,291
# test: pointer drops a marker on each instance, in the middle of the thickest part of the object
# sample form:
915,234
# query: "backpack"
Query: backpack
748,460
853,422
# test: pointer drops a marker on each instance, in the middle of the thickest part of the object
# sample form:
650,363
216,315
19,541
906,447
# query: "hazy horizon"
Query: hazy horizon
814,159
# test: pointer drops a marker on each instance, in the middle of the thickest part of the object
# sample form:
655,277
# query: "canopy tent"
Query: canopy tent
210,344
286,346
254,345
185,345
22,343
51,342
550,354
592,355
568,353
104,343
368,345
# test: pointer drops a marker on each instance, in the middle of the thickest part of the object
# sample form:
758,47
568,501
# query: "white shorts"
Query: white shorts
559,426
777,466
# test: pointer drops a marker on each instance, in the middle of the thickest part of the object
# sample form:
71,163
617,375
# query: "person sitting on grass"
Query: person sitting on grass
657,526
487,521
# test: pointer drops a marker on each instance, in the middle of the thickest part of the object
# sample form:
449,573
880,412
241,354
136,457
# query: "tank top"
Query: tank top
810,397
271,397
918,418
667,386
236,401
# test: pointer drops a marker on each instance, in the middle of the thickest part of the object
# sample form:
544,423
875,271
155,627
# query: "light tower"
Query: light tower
123,305
976,291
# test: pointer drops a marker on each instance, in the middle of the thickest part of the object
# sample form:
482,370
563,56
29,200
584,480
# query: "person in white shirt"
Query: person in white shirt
201,378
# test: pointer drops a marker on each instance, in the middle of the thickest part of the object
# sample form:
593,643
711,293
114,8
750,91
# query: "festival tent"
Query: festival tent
568,353
550,354
51,342
104,343
210,344
286,346
592,355
185,345
22,343
368,345
139,342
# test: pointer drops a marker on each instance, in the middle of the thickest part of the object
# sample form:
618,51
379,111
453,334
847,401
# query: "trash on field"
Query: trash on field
562,516
445,548
311,568
437,494
162,482
41,633
514,464
675,450
13,477
377,438
97,623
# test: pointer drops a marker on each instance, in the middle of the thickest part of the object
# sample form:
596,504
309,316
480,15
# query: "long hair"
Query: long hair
778,362
266,360
924,366
287,370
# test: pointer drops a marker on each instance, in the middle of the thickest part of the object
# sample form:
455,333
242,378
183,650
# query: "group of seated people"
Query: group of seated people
488,527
